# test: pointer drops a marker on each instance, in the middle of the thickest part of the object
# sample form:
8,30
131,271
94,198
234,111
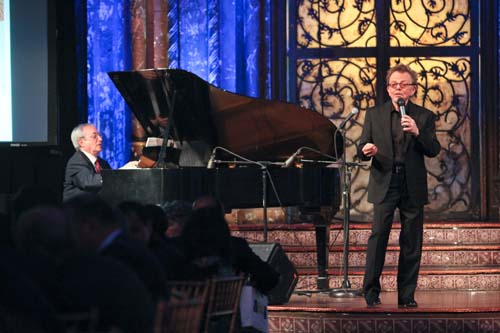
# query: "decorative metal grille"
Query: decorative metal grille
430,23
323,23
333,87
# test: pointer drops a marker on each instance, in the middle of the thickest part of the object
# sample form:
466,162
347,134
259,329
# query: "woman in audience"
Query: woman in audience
209,227
205,240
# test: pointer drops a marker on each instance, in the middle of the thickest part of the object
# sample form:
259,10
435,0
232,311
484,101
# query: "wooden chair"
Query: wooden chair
184,310
223,304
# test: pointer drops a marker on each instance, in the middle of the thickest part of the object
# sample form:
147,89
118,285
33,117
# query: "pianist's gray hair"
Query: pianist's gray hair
77,134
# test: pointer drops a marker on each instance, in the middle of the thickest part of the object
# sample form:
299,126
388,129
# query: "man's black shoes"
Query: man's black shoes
408,304
373,301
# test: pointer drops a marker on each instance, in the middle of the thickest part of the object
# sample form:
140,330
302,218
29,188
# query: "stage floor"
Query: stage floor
438,311
428,302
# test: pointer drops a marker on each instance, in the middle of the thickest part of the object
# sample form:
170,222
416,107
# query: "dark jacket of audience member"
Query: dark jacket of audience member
166,249
24,306
114,289
208,227
46,253
99,230
206,244
43,239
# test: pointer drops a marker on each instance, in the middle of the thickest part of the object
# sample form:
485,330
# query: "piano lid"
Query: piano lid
153,93
254,128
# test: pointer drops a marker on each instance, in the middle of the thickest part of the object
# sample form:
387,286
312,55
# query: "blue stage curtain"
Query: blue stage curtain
225,42
108,49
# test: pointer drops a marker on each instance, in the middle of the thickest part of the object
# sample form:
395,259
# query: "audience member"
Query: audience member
74,282
5,231
99,230
168,250
177,213
26,198
43,240
122,299
137,223
44,231
31,196
205,242
209,213
24,306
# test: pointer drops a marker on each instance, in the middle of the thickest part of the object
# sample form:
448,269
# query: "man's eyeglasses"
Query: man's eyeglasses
401,85
93,136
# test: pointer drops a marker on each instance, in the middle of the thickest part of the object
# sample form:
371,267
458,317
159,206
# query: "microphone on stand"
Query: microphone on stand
354,112
289,161
211,161
402,108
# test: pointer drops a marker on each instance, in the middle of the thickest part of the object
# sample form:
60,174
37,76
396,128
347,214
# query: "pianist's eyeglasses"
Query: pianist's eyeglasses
93,136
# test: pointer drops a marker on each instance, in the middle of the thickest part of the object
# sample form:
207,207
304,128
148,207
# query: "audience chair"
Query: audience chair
184,310
223,304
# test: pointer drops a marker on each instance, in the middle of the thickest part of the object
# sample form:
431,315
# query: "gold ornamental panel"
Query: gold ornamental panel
323,24
430,23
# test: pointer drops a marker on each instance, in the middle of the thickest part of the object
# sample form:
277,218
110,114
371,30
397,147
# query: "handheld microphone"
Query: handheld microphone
211,161
402,108
354,112
291,159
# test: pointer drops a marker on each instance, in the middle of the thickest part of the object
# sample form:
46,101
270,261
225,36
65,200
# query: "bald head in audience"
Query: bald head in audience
93,220
43,231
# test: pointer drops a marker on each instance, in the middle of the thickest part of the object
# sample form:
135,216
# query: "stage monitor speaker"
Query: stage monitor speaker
273,254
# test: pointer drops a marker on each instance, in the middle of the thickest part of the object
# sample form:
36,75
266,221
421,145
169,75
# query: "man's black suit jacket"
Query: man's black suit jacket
141,260
377,130
80,176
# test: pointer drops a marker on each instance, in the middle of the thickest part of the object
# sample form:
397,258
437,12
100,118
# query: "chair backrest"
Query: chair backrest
223,303
184,311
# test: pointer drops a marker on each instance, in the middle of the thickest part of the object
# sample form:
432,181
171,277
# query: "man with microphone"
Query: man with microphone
396,136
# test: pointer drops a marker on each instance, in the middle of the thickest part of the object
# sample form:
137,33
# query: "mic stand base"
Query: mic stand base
332,292
340,293
345,291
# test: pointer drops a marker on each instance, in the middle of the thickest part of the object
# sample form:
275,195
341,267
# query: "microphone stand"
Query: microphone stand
345,289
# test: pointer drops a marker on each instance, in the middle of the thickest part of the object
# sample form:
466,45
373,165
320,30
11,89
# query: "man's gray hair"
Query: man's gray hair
77,134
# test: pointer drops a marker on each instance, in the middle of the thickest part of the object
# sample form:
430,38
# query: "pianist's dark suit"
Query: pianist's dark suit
81,176
404,188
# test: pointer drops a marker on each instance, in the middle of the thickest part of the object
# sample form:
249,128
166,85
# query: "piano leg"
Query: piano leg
321,231
321,228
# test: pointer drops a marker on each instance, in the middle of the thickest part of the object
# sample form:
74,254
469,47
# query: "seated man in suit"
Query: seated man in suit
83,170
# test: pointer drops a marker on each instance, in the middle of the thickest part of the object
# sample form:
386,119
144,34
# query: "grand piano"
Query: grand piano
249,139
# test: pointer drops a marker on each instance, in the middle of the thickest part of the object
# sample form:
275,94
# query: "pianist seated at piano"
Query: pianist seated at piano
83,170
